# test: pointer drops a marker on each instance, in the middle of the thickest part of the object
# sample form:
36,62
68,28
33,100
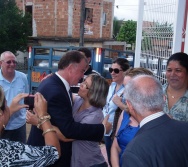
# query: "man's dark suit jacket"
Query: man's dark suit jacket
162,142
60,109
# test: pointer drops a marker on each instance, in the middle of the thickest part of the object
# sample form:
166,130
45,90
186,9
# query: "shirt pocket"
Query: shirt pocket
6,88
20,87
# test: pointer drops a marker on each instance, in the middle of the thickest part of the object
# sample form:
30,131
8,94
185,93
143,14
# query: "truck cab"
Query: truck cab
44,60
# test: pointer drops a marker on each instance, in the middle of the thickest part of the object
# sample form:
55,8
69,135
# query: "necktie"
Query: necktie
70,94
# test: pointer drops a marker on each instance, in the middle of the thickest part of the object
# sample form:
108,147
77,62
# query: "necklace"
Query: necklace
174,97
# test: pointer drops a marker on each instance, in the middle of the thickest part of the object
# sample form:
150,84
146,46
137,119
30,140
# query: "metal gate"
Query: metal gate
157,35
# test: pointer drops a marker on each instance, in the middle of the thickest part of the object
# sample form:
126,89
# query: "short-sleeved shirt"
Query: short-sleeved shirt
110,106
11,89
179,111
19,154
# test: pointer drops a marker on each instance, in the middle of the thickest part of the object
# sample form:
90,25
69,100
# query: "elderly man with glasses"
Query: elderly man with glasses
13,83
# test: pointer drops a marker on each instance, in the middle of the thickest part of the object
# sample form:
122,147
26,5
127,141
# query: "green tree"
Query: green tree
127,32
14,27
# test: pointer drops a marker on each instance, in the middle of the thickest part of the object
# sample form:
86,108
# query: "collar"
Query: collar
3,78
67,86
150,118
113,84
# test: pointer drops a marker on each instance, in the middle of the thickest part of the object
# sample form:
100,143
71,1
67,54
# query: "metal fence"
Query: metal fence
157,35
23,67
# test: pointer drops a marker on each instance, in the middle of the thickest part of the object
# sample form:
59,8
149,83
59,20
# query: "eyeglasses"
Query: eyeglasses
10,61
84,83
116,70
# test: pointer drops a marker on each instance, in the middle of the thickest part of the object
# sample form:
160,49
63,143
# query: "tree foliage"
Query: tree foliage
15,27
127,32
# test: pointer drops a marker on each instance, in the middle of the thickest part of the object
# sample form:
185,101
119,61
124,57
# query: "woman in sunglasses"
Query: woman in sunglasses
119,66
14,153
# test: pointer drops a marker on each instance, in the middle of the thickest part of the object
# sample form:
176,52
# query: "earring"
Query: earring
4,126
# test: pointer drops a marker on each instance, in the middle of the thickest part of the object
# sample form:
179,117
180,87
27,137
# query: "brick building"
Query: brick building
57,22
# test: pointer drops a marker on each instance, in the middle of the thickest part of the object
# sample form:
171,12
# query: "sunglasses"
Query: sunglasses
116,70
10,61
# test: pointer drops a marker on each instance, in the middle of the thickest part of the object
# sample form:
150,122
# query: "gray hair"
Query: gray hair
98,91
4,53
145,97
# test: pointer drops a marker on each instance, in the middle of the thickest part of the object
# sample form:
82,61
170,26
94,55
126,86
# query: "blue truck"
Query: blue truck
43,60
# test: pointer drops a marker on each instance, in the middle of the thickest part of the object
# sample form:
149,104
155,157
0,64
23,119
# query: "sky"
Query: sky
126,9
153,10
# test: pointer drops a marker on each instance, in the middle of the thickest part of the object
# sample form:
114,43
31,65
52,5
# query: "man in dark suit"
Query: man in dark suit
55,90
161,141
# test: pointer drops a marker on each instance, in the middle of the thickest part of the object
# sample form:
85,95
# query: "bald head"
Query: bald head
145,94
6,54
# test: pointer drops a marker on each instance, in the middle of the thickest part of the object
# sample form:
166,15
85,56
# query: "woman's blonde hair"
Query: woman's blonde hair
132,72
98,91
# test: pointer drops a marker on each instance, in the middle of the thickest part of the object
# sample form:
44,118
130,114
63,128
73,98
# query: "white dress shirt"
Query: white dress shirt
150,118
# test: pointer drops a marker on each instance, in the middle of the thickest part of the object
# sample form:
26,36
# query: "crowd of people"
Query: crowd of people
142,122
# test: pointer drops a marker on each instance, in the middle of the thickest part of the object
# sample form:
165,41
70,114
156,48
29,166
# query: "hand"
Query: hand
116,99
58,132
108,125
61,136
15,106
31,118
40,105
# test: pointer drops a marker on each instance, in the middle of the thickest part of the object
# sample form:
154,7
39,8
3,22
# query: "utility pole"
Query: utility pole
82,17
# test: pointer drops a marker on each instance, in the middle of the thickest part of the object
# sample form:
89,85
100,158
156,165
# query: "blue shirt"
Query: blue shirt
110,106
11,89
125,134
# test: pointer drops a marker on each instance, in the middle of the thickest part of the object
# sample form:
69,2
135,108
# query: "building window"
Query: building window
88,15
104,19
